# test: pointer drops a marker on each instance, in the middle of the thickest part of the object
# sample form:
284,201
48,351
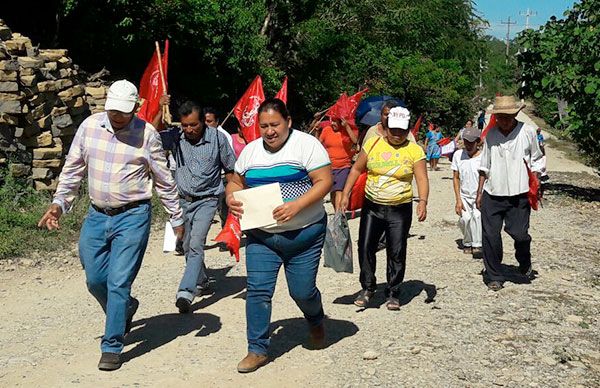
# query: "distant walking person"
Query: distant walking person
432,148
124,159
503,186
465,165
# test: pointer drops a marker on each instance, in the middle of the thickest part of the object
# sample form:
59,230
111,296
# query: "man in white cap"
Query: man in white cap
510,147
124,159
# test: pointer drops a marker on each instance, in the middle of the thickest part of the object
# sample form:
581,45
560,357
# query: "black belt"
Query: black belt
191,198
113,211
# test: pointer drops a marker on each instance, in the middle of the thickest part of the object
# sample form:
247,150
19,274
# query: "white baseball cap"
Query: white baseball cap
122,96
398,118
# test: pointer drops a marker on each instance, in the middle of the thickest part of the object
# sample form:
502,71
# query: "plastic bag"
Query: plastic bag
231,236
337,250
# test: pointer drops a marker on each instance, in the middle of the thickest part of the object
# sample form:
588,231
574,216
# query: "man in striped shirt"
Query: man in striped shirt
200,153
124,159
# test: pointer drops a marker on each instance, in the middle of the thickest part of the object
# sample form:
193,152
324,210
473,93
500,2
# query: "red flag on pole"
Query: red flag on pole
415,130
345,107
246,109
491,124
282,93
151,88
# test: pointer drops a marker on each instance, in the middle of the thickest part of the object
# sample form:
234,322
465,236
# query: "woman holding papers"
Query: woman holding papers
300,165
391,162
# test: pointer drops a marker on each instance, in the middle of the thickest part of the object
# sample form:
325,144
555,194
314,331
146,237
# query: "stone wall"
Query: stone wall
42,102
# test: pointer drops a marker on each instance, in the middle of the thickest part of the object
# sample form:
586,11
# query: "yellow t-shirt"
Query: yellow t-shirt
390,171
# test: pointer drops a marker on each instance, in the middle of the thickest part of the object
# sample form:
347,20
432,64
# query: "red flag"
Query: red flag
415,130
282,93
246,109
443,141
151,88
231,236
491,124
345,107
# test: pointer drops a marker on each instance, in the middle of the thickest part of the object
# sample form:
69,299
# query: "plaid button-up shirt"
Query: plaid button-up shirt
122,166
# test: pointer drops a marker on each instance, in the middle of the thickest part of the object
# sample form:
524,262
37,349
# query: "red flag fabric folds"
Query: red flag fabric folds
415,130
345,107
282,93
491,124
151,88
246,109
231,236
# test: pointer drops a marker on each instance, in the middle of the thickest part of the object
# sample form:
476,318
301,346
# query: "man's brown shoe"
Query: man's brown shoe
110,361
252,362
317,337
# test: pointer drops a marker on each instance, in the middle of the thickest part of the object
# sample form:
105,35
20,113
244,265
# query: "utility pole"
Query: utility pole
527,15
508,24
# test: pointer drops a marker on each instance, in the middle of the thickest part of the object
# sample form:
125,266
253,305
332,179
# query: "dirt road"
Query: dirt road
451,331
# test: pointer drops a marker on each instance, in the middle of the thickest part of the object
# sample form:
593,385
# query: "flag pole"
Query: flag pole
227,117
166,112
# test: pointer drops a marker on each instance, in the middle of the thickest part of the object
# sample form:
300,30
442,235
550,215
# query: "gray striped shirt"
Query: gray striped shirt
198,166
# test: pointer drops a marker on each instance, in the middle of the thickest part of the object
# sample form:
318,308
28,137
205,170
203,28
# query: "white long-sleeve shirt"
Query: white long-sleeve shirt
503,160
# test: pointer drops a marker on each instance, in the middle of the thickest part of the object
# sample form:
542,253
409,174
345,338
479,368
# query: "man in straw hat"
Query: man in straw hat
510,146
124,159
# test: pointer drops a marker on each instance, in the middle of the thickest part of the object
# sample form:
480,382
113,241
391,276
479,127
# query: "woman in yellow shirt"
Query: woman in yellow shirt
391,162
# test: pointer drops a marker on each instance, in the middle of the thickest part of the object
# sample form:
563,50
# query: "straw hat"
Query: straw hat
507,105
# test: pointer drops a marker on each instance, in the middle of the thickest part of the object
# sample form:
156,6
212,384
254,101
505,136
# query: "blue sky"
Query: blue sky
496,11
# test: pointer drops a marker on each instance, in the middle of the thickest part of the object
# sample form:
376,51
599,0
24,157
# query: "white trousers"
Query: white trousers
470,224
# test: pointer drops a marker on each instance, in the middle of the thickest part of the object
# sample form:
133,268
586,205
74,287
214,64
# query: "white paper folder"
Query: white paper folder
258,204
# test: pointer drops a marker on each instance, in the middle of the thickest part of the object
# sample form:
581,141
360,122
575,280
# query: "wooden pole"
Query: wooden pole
166,112
228,115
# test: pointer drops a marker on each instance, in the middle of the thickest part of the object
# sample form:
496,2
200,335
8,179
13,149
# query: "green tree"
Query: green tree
562,60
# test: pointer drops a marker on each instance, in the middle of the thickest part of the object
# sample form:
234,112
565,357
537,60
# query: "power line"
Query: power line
527,15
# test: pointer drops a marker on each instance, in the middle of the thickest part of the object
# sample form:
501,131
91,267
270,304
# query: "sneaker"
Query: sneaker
205,289
133,306
183,305
363,298
110,361
252,362
528,273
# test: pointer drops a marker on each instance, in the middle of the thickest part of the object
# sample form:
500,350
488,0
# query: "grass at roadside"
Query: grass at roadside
21,207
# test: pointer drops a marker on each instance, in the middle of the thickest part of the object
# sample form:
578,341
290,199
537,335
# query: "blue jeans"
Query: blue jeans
300,252
111,251
198,216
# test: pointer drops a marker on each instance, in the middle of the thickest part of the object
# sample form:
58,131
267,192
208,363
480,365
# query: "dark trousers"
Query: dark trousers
514,212
394,221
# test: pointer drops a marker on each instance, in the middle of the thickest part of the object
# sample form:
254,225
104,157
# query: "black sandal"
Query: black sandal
495,285
392,304
363,298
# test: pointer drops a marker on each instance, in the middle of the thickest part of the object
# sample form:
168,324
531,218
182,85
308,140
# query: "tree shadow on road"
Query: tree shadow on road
224,287
153,332
587,194
409,290
289,333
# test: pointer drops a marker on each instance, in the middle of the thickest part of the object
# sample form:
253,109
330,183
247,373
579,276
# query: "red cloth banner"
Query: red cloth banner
246,109
282,93
491,124
415,130
151,88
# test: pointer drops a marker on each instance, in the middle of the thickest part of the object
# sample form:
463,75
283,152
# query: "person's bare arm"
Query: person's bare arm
157,120
235,182
456,182
482,178
420,171
350,132
321,185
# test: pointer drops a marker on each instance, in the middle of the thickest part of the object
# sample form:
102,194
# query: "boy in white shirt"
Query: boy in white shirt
465,164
